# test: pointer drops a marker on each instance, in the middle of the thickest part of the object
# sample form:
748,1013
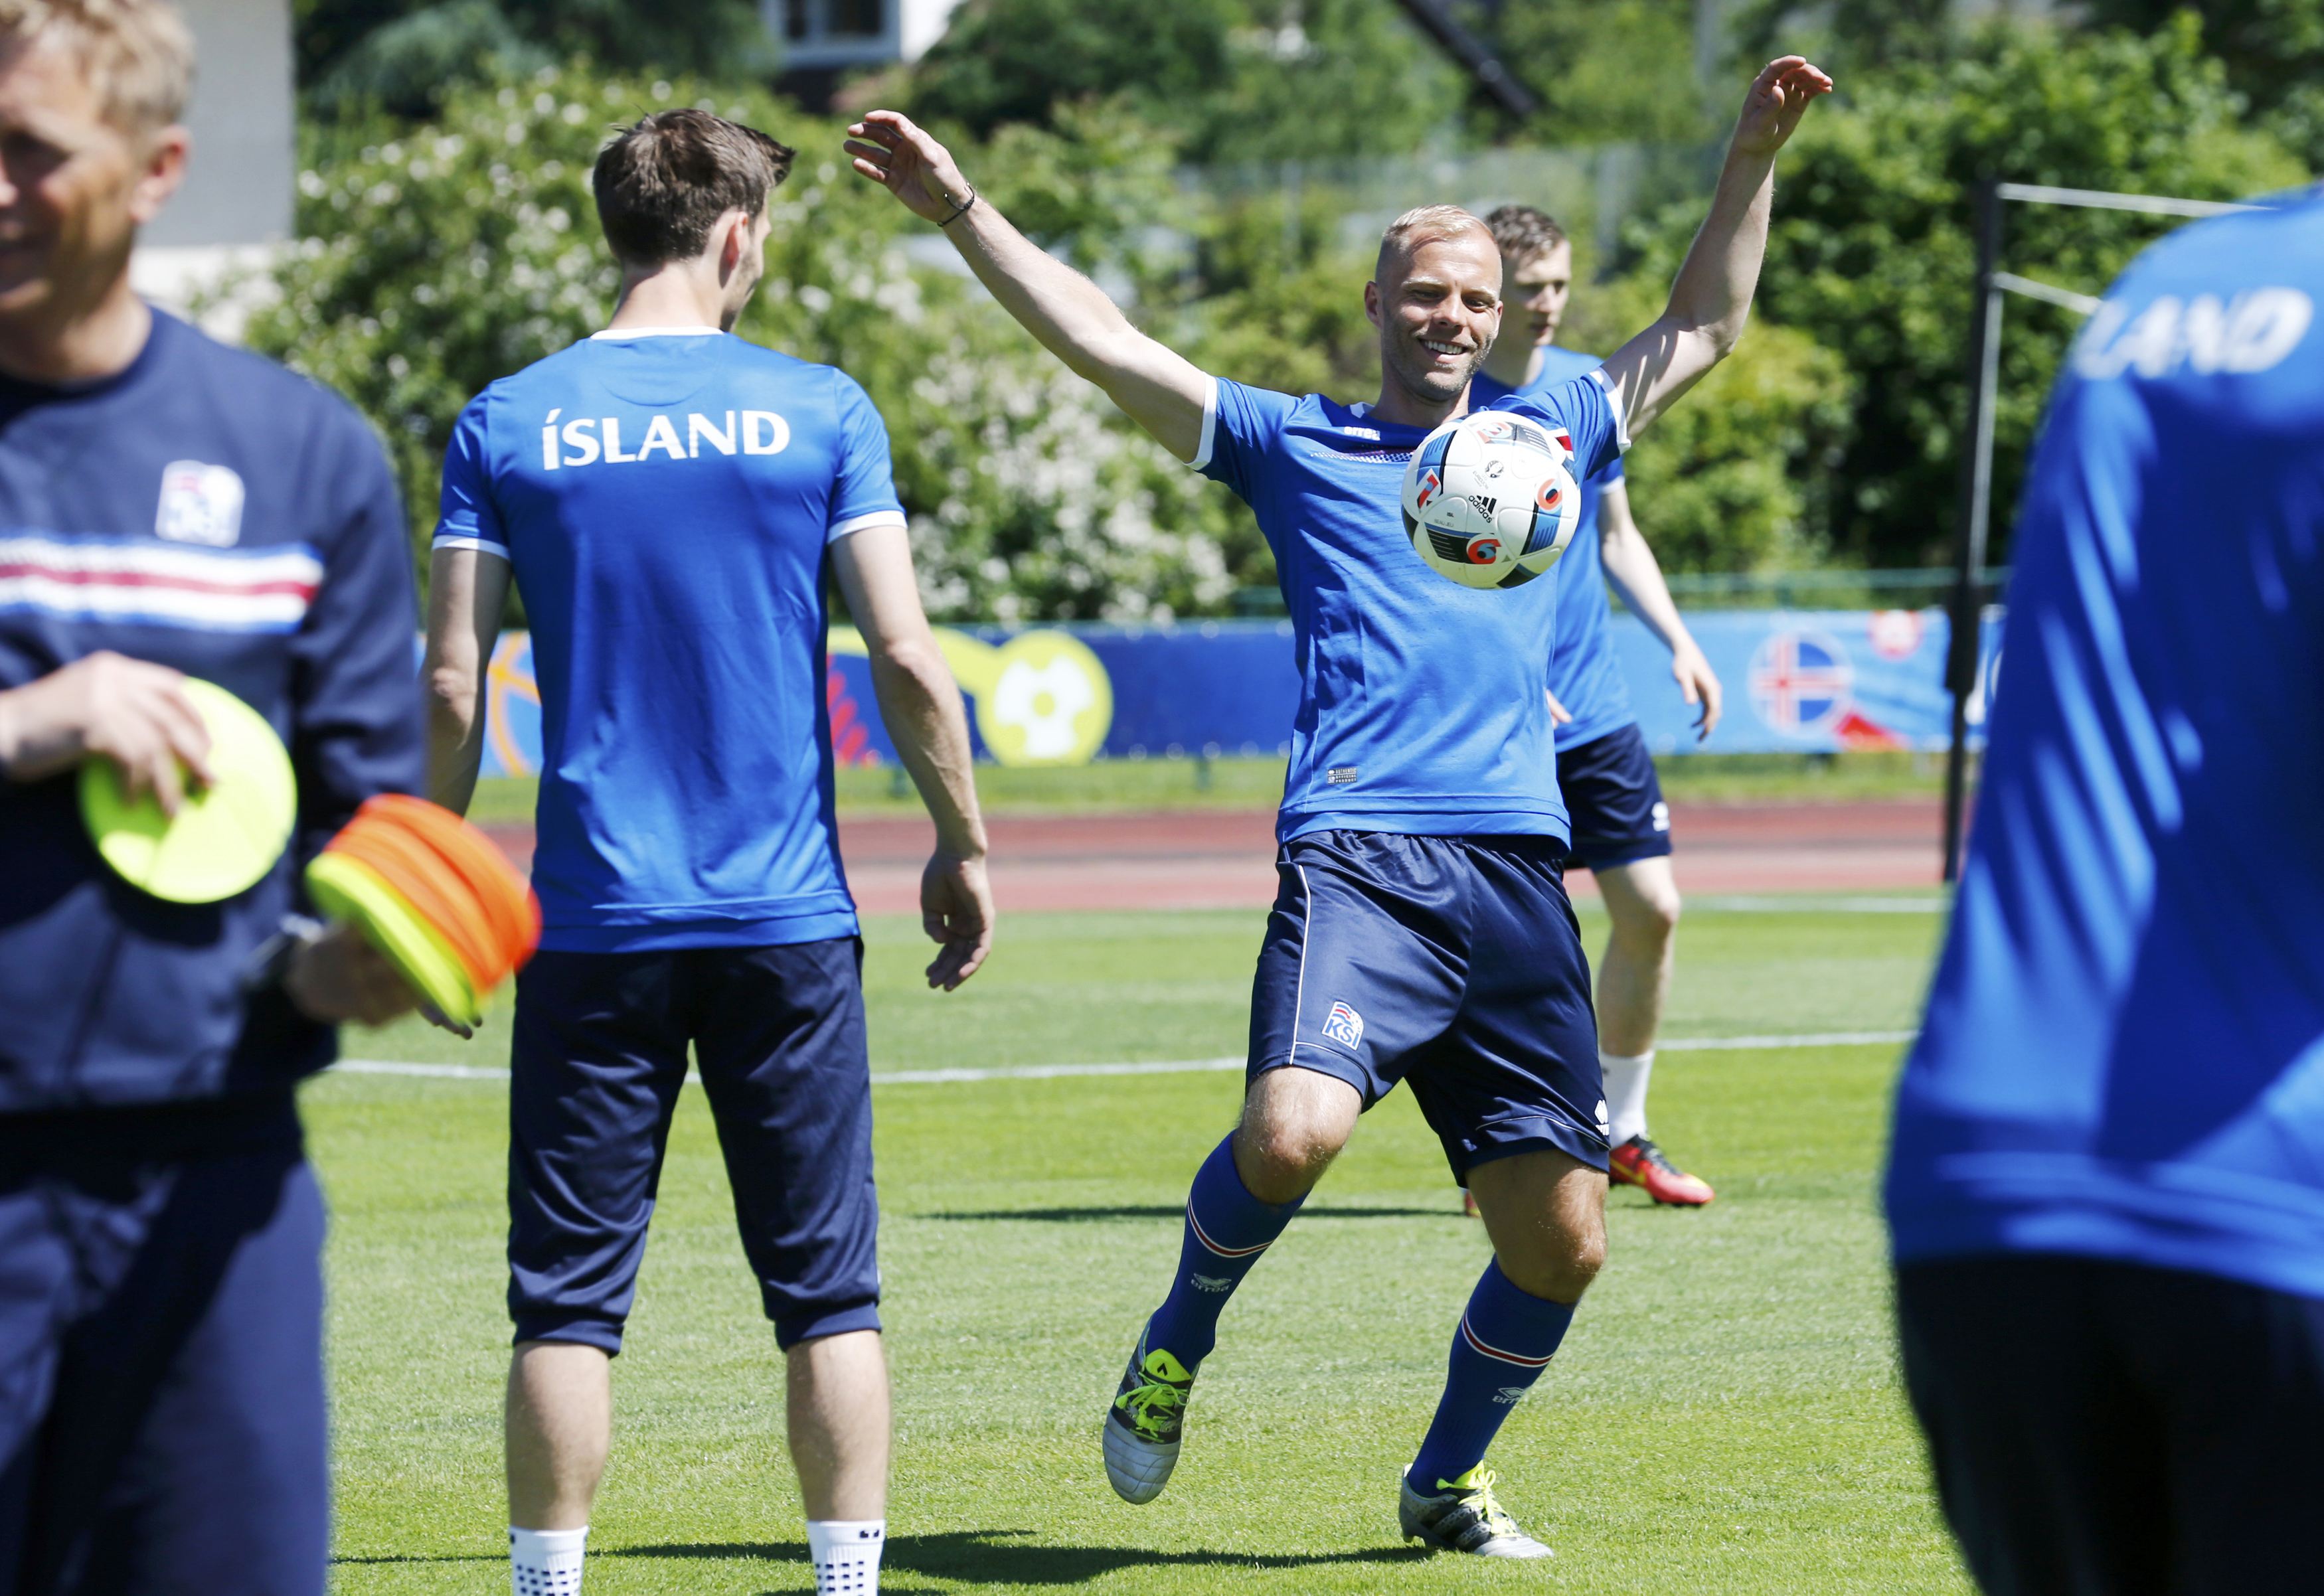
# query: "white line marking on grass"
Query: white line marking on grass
446,1071
1174,1066
1833,1038
1047,1072
1822,905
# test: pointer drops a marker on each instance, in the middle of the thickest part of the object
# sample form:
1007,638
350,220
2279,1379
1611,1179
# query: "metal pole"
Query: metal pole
1474,56
1975,513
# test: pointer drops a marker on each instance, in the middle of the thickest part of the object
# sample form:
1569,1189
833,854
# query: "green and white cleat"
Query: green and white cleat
1465,1518
1143,1425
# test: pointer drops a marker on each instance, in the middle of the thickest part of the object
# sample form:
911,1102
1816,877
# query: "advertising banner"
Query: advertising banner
1803,681
1815,681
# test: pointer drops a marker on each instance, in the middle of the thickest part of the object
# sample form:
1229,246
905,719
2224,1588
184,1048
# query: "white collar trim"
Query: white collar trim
658,332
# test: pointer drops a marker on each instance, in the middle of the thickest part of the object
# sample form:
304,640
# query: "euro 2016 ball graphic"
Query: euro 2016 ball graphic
1490,498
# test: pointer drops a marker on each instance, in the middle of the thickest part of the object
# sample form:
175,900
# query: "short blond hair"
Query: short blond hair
1427,223
138,54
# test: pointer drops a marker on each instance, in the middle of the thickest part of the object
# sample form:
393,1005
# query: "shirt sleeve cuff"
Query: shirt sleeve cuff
1613,405
864,523
451,540
1210,424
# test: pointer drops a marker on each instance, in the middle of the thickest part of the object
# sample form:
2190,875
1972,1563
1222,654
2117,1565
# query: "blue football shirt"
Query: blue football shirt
2124,1052
666,500
1583,672
1421,707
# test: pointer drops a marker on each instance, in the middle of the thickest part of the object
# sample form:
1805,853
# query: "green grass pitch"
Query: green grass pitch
1724,1417
1235,783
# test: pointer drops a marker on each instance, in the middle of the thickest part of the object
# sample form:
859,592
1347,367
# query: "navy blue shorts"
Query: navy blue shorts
161,1418
2107,1426
1614,800
1452,963
598,1060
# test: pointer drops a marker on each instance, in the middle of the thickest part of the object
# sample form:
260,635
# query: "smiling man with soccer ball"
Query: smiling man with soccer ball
1421,931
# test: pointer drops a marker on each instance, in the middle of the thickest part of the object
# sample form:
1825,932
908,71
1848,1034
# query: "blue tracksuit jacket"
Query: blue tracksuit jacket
209,511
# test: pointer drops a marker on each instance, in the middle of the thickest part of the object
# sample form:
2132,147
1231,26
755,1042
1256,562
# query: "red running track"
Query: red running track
1225,860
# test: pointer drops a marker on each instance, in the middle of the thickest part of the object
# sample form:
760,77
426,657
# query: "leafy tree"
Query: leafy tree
1844,36
1606,71
1871,252
2272,49
1724,480
401,55
1233,80
1013,61
1278,299
1097,184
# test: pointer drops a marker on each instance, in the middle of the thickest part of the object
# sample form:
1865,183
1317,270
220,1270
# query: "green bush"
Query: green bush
436,258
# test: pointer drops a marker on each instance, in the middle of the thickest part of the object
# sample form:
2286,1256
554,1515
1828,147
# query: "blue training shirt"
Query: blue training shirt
2124,1053
666,499
1583,673
1421,707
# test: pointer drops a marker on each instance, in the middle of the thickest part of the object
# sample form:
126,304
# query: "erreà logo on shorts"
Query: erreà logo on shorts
1344,1026
591,440
199,504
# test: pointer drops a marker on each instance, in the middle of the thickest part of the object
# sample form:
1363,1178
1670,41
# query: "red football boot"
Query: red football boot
1469,1203
1640,1163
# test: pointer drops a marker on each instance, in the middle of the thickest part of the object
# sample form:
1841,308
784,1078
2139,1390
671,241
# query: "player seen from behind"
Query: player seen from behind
170,510
669,499
1621,825
2106,1187
1420,930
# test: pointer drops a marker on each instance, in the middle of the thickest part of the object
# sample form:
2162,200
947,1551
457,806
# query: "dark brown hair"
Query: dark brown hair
1520,232
661,182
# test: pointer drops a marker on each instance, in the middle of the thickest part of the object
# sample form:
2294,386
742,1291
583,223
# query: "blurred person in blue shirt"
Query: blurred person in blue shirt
2106,1187
171,510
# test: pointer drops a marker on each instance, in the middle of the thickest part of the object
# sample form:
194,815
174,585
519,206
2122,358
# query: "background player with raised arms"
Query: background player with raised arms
1621,825
2106,1187
1420,930
672,502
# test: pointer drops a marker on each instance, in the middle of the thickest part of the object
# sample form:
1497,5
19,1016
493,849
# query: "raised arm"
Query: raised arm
1712,296
1157,387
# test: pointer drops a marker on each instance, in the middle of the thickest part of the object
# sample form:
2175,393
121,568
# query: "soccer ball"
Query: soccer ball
1490,498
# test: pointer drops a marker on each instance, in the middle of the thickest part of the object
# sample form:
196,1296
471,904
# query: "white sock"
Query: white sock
546,1562
1626,1093
846,1555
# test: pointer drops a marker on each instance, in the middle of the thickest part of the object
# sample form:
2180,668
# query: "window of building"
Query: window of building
812,21
860,19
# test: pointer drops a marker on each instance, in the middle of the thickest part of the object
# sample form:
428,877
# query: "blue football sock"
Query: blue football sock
1504,1342
1227,1230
